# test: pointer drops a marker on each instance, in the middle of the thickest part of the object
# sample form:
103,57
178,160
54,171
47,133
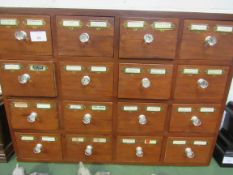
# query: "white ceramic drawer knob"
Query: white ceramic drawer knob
20,35
202,83
88,150
211,41
38,148
148,38
23,79
31,118
139,151
87,119
146,82
85,80
142,119
84,37
196,121
189,153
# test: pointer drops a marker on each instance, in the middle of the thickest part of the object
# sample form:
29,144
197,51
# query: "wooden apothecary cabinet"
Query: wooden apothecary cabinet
114,86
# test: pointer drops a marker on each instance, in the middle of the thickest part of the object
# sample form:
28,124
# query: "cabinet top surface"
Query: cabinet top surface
207,6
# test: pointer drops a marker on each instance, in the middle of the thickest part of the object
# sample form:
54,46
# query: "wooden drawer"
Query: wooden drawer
38,146
28,78
138,149
146,81
189,150
201,82
141,118
200,36
86,80
36,114
25,35
88,148
88,117
85,35
148,38
198,118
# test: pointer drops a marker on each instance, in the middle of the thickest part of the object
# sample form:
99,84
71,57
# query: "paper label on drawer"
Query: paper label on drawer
179,142
35,22
98,24
98,108
158,71
191,71
43,105
98,69
227,160
8,22
128,141
38,68
27,138
71,23
135,24
199,27
153,108
150,142
130,108
20,105
48,139
38,36
99,140
77,139
206,109
76,107
199,142
12,66
73,68
163,25
214,72
132,70
221,28
184,109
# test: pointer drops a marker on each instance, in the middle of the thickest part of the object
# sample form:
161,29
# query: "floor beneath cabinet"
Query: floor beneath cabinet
70,169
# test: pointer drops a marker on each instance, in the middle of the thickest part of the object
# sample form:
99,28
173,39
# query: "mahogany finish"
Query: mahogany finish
100,42
9,45
99,58
193,42
209,115
128,120
160,84
132,44
100,113
41,83
21,109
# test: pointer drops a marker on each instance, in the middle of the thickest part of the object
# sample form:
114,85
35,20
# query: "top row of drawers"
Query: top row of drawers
94,37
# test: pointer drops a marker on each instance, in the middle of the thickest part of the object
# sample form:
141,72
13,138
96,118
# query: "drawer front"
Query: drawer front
85,36
204,39
201,82
146,81
28,78
199,118
141,118
35,146
25,35
188,150
88,117
37,114
81,80
138,149
88,148
148,38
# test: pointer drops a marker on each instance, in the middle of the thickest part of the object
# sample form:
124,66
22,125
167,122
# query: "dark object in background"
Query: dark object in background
6,147
223,152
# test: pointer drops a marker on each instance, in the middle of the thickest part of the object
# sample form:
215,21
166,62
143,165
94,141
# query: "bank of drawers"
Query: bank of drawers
66,108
